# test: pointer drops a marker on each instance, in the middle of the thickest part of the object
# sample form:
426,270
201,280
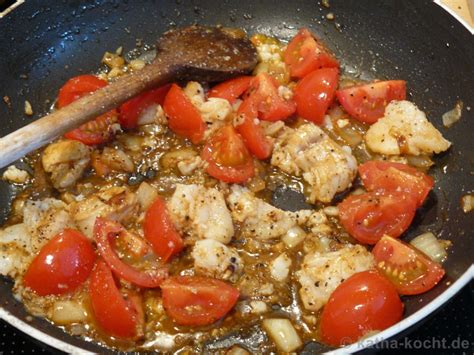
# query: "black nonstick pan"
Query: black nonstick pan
43,43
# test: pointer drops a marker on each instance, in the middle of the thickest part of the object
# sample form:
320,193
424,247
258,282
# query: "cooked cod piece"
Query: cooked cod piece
321,273
15,175
263,221
44,219
116,203
214,259
66,160
309,152
15,250
404,129
201,213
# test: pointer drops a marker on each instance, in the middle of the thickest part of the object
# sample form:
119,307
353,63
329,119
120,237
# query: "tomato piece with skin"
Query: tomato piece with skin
263,92
160,231
367,102
96,131
131,110
367,217
231,89
305,53
183,117
62,264
197,300
383,176
227,157
114,314
252,133
364,302
315,93
105,229
410,271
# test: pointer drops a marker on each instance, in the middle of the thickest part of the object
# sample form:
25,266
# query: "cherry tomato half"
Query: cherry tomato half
62,264
365,302
197,300
183,117
160,231
367,102
232,89
116,315
106,229
131,110
263,92
227,157
94,132
252,133
315,93
410,271
388,176
369,216
305,54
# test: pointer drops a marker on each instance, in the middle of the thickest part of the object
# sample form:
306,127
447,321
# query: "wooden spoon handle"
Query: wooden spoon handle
42,131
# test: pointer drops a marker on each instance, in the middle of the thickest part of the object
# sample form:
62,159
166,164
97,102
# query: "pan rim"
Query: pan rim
372,341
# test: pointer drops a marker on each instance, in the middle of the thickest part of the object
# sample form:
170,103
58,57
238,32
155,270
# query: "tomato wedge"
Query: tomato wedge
94,132
315,93
114,314
160,231
183,117
131,110
62,264
227,157
365,302
252,133
367,102
232,89
263,92
305,54
410,271
369,216
383,176
103,231
197,300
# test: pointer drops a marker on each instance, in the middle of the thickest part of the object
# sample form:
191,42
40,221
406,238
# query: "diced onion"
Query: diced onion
146,195
430,245
68,312
237,350
422,162
452,116
294,236
283,334
467,203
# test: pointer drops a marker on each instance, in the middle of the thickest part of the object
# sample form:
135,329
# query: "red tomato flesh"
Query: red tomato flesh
116,315
196,300
94,132
131,110
365,302
227,157
62,264
369,216
183,117
103,231
263,92
305,54
232,89
315,93
385,176
367,102
160,231
252,133
410,271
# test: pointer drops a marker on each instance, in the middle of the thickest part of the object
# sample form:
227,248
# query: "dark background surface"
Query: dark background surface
454,321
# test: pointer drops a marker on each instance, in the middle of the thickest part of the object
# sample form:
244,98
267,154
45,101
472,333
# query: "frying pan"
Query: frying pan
43,43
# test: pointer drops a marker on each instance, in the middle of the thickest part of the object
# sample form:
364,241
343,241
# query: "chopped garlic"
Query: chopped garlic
28,108
13,174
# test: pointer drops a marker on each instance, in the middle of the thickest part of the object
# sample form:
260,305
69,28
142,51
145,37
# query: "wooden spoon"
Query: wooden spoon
191,53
